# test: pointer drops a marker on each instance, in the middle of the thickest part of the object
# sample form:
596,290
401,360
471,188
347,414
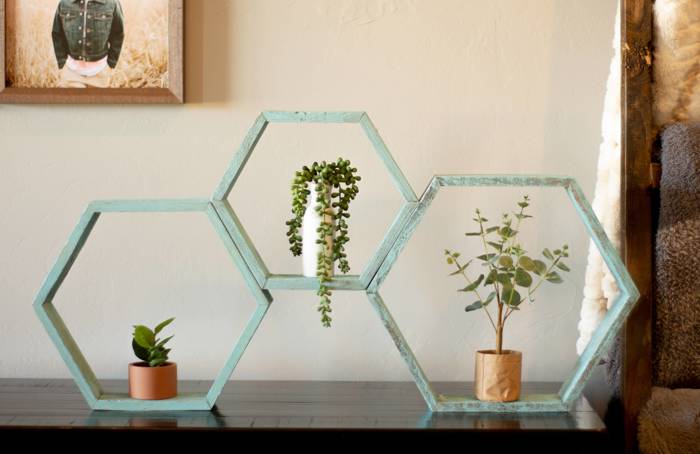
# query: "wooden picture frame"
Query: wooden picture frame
174,94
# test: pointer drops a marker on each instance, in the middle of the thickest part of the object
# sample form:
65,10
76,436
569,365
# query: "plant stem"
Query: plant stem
486,252
510,253
469,282
517,228
499,331
501,320
508,312
531,292
542,278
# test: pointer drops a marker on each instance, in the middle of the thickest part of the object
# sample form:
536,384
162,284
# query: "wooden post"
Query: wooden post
636,207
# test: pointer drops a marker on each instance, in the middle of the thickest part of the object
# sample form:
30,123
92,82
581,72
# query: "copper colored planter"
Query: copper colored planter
152,383
497,377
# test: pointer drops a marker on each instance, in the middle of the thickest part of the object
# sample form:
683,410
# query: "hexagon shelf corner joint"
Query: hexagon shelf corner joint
81,371
601,340
264,277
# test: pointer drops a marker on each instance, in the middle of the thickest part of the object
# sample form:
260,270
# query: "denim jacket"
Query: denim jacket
88,30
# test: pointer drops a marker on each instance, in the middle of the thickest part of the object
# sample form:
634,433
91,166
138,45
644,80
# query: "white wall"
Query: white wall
454,86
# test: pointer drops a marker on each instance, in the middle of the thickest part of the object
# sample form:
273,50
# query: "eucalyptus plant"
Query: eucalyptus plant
148,347
335,186
511,275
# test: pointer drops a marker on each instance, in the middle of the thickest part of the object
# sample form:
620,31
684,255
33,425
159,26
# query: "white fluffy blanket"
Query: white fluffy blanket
600,289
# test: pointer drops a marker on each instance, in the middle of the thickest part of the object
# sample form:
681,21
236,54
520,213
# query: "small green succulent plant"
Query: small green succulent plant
148,347
509,269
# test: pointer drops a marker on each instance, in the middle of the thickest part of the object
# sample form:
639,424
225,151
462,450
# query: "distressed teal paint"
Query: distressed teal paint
572,388
618,312
313,117
262,296
387,242
243,242
295,282
70,252
383,151
237,353
85,378
532,403
148,206
237,231
414,367
502,180
122,402
78,366
403,236
241,158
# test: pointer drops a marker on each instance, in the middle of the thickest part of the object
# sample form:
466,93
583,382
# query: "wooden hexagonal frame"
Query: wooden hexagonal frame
572,388
79,368
259,280
265,278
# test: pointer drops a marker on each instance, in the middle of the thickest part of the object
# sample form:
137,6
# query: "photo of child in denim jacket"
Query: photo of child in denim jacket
87,38
88,43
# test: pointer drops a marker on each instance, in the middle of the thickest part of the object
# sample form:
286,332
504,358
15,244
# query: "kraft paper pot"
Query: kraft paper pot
497,377
152,383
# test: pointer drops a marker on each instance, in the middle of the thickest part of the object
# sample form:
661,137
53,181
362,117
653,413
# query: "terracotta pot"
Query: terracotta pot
497,377
152,383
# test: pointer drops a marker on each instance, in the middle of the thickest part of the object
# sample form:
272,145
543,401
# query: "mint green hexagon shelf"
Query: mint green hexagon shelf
571,389
84,377
265,278
259,280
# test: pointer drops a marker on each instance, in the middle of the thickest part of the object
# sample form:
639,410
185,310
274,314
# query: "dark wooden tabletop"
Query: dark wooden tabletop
250,405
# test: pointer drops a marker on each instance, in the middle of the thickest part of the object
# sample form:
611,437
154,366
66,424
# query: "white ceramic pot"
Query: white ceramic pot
310,249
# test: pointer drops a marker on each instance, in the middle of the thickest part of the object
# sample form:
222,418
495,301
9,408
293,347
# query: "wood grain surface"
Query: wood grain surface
637,227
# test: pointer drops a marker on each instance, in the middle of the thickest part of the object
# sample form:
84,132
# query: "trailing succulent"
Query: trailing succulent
509,269
335,186
147,347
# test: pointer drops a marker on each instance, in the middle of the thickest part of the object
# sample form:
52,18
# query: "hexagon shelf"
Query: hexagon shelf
259,280
264,277
571,389
84,377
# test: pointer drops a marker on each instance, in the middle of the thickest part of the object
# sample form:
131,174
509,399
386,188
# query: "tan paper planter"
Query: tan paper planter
152,383
497,377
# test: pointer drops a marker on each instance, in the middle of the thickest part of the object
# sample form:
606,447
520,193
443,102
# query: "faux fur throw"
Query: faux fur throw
670,422
676,61
677,291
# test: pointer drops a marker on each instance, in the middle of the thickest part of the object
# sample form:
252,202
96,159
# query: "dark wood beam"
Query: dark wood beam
638,134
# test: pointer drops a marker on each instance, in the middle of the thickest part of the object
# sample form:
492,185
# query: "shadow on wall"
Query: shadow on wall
208,41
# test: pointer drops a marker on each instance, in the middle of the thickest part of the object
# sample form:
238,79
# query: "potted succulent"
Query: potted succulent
511,276
325,226
154,377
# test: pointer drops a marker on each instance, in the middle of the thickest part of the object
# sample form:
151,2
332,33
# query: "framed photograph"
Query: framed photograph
91,51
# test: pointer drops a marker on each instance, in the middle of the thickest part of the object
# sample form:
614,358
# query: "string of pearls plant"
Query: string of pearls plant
335,186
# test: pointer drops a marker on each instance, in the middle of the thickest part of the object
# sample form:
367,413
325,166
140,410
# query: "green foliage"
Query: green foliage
147,347
512,274
335,186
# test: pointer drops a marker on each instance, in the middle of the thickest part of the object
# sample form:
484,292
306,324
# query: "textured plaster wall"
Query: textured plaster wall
454,86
